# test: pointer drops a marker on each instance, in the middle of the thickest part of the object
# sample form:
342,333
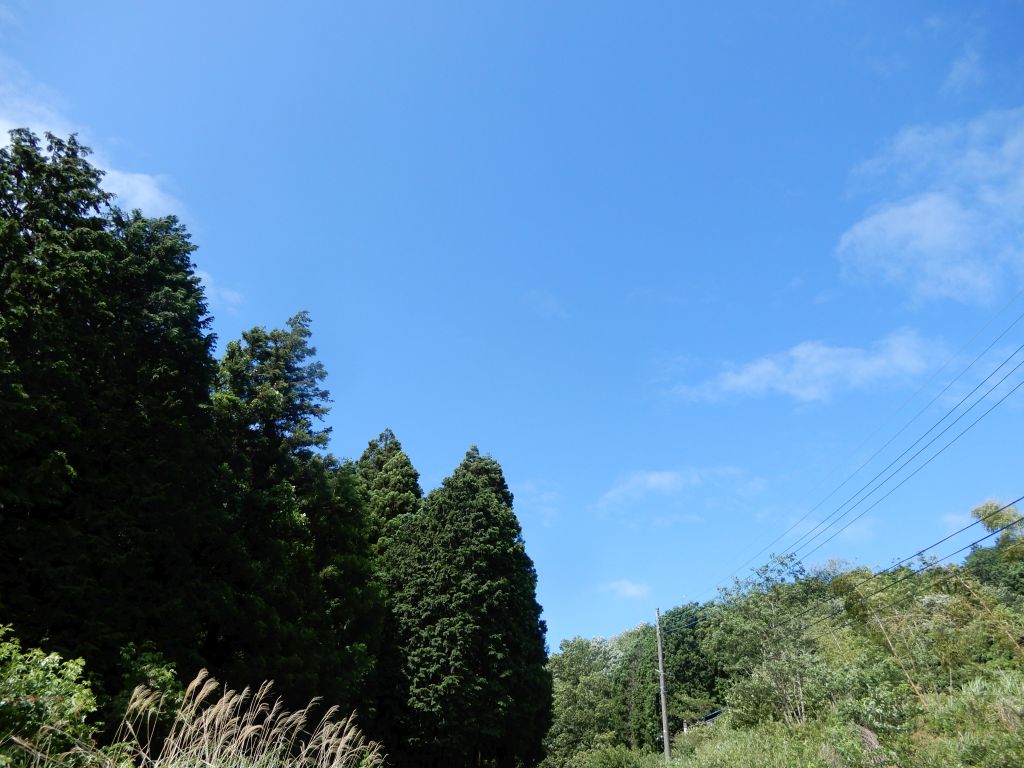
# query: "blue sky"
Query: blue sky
679,267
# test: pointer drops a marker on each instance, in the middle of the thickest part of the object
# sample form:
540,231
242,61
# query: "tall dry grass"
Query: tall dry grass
219,728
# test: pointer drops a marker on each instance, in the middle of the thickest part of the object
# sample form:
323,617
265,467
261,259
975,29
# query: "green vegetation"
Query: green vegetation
43,699
162,512
913,666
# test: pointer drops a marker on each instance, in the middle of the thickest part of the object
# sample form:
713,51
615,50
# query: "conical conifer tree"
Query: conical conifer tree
463,591
392,493
391,483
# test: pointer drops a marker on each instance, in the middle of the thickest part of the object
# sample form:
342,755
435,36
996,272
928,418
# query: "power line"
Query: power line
817,530
892,490
902,429
919,468
923,568
920,552
905,560
804,537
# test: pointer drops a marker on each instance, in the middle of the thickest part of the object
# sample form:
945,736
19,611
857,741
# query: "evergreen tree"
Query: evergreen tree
392,492
636,687
391,483
296,605
105,374
462,589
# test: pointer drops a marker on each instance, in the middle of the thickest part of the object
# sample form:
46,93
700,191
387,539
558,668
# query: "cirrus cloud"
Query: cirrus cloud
25,103
966,71
643,483
624,588
814,371
953,230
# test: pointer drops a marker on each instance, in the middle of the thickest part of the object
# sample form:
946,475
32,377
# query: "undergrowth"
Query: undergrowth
213,727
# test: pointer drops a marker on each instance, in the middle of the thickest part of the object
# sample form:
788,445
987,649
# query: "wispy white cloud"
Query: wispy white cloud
143,191
220,298
922,242
953,229
966,71
624,588
645,483
9,12
538,500
25,103
814,371
668,498
545,304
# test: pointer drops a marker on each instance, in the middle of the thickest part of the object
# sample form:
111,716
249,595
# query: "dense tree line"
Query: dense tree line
161,508
912,666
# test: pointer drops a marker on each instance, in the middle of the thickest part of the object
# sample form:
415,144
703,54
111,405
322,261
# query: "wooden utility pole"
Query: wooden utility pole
661,676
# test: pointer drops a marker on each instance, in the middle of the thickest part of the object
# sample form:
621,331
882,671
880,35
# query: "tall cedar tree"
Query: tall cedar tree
105,374
462,589
391,484
393,493
296,603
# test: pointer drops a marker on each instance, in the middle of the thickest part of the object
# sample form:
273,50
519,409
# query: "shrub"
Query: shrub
44,700
616,756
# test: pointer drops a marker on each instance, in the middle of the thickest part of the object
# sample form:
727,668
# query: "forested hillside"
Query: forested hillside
921,664
163,511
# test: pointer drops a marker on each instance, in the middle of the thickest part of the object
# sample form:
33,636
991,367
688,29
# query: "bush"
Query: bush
43,700
614,757
981,725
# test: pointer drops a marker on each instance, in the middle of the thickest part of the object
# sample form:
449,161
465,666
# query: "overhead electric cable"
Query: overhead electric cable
918,553
919,468
902,429
924,567
817,530
803,538
943,540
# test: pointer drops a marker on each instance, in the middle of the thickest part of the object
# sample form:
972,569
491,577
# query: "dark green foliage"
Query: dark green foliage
160,512
614,756
462,590
1005,574
636,684
391,483
149,499
296,604
778,672
391,487
106,372
1001,566
695,674
623,671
